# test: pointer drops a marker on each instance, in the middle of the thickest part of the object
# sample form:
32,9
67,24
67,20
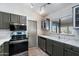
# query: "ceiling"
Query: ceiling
51,8
54,10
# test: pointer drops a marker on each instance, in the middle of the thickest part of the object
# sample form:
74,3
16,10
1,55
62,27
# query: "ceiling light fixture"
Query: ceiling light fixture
42,9
31,5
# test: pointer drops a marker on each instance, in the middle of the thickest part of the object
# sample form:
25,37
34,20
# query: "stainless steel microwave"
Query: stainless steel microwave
18,27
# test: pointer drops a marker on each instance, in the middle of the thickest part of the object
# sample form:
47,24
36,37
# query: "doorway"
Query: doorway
32,31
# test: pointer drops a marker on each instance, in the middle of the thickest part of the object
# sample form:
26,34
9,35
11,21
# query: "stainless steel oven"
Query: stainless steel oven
18,47
18,43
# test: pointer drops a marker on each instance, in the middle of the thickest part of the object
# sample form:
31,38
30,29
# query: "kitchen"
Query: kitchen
39,29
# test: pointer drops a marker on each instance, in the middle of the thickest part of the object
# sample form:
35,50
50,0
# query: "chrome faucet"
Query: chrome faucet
59,37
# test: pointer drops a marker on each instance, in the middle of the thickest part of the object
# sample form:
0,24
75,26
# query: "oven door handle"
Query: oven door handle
18,41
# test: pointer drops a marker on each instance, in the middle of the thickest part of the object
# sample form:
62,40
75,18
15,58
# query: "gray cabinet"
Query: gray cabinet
22,19
18,19
57,49
15,18
1,20
71,50
39,42
4,20
53,48
42,43
49,47
68,52
1,50
4,49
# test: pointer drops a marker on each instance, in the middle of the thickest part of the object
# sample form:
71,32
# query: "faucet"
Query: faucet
59,36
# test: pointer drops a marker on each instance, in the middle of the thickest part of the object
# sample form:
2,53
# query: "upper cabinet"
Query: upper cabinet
76,16
45,24
4,20
15,18
1,20
22,19
7,18
18,19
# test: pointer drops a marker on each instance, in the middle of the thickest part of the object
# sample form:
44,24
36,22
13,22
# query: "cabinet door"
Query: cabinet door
68,52
39,42
49,46
11,49
1,20
15,18
22,19
2,50
5,20
43,44
6,49
57,50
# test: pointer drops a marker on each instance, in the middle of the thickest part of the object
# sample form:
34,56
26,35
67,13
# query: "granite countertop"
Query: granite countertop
4,35
73,42
4,40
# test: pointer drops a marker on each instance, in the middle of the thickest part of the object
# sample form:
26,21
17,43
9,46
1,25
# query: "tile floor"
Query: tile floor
36,52
22,54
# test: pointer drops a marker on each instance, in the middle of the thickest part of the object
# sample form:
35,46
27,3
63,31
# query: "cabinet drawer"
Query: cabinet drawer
67,46
68,52
76,49
57,43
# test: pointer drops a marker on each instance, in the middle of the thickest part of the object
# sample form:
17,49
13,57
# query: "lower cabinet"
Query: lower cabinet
55,48
49,47
39,42
1,50
68,52
4,49
42,43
